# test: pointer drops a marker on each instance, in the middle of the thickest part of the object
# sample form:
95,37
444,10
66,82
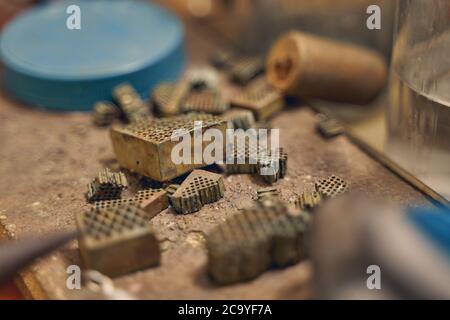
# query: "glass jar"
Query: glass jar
418,115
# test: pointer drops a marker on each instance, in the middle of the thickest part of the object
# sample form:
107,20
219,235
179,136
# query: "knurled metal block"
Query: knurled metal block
146,147
207,101
199,188
246,69
250,242
308,200
116,241
105,113
331,187
272,165
107,185
240,118
330,127
167,98
267,193
151,201
261,99
130,102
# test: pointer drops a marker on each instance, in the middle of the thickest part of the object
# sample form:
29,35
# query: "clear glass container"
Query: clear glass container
418,115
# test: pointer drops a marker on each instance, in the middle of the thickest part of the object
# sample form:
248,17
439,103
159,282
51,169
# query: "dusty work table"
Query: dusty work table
47,159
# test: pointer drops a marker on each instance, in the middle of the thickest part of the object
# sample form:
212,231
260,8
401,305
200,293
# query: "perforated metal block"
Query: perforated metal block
331,187
250,242
167,98
117,240
105,113
246,69
172,188
131,103
308,200
107,185
244,159
261,99
146,147
207,101
151,201
272,166
240,118
200,188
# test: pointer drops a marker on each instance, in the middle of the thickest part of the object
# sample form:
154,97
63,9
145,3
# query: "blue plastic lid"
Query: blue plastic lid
49,65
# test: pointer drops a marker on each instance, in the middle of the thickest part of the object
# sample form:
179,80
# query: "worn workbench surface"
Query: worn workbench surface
47,159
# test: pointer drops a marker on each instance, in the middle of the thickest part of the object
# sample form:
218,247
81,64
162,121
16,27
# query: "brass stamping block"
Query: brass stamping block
249,243
199,188
151,201
244,159
167,98
207,101
105,113
331,187
146,147
130,102
308,200
240,118
172,188
246,69
107,186
330,127
267,193
272,167
261,99
116,241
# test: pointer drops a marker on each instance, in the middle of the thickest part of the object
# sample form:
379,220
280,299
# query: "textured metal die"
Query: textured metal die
272,167
207,101
250,242
105,113
240,118
261,99
167,98
246,69
330,127
308,200
331,187
150,201
146,148
200,188
116,241
131,103
107,186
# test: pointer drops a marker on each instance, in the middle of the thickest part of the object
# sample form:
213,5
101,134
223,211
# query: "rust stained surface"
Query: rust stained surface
47,160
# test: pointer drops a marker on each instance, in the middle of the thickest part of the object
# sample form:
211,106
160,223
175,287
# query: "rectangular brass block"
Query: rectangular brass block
146,147
249,243
308,200
107,186
208,101
104,113
261,99
331,187
116,241
199,188
246,69
130,102
151,201
167,98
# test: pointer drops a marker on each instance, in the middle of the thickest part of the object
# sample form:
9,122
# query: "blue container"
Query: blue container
49,65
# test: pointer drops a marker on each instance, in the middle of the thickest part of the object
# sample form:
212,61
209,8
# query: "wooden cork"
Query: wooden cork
310,66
